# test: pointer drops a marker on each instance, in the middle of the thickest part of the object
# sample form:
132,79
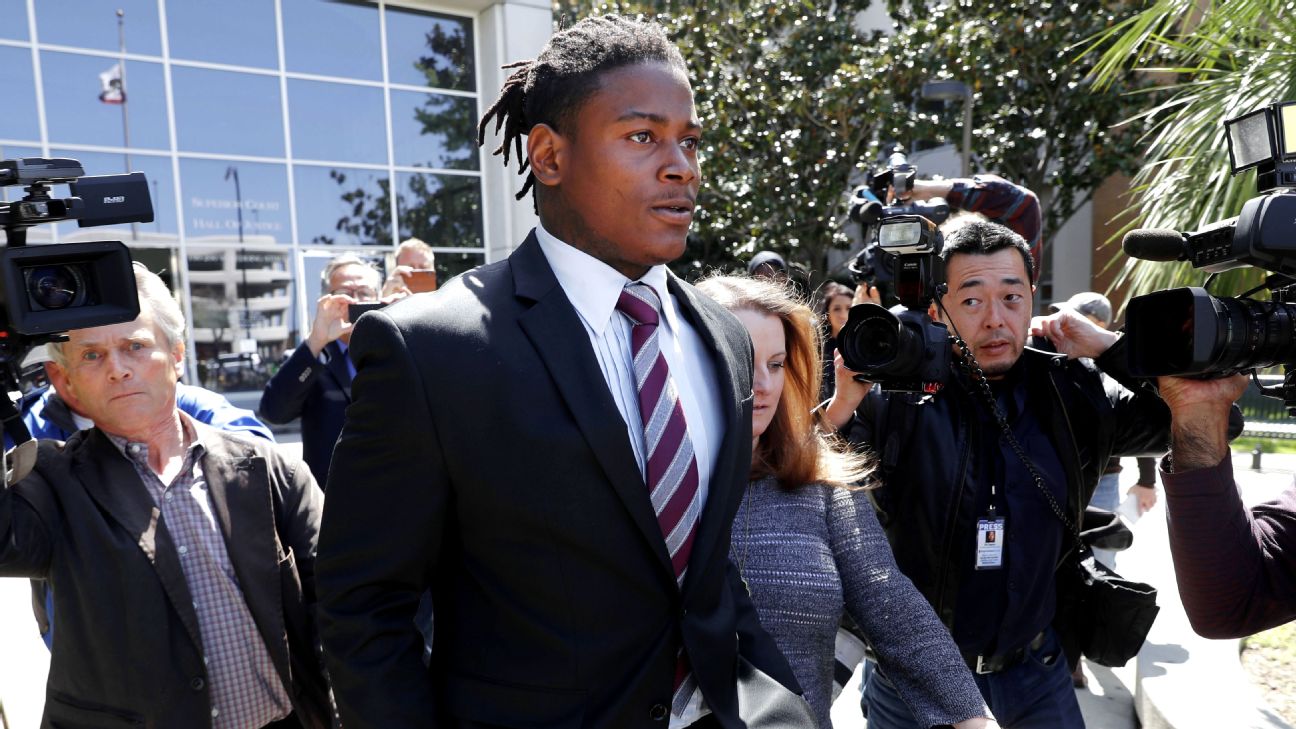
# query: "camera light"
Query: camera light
1287,129
899,235
1250,139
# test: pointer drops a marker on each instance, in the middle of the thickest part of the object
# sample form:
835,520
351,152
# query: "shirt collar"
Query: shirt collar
593,287
138,450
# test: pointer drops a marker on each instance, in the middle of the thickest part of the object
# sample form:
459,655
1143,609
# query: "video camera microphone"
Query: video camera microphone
1211,248
1156,244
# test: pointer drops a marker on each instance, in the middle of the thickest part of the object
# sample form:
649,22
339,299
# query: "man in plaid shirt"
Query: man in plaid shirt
182,558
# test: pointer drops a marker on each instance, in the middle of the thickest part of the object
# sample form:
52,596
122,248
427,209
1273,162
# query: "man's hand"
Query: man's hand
1199,412
1146,495
867,293
848,394
330,321
1073,335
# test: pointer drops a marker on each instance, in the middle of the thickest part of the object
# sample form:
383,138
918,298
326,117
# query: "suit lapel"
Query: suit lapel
736,405
112,482
556,332
239,486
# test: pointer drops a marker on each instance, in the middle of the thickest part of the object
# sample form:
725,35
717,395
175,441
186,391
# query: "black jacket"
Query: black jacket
128,651
317,390
1092,410
484,458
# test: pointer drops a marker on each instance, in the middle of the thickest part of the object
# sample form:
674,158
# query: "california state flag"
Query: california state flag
111,81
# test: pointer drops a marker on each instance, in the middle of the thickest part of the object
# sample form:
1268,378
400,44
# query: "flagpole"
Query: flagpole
121,44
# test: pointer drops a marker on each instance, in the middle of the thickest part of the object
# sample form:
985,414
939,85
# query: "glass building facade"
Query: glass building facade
275,134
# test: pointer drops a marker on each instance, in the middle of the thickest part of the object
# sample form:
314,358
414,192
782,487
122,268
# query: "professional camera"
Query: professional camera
874,265
1187,331
902,349
46,290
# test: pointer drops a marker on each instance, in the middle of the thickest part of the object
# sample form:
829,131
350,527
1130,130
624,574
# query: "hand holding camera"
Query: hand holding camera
332,320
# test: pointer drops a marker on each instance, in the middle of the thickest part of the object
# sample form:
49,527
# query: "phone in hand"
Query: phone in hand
421,280
355,310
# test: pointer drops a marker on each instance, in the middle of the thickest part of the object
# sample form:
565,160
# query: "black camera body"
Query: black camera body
1189,332
902,349
874,265
46,290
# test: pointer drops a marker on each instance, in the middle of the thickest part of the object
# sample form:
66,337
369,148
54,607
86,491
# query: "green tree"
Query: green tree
797,104
1216,60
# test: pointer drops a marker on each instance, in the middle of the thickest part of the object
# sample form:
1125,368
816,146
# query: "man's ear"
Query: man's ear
56,376
178,352
62,385
546,151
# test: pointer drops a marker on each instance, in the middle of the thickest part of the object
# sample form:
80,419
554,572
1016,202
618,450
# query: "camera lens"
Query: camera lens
57,286
875,340
1189,332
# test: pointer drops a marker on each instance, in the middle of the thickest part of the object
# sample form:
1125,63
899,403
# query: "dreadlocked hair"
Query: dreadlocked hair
551,89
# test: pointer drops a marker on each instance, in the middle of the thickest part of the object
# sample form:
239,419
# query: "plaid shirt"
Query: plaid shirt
245,690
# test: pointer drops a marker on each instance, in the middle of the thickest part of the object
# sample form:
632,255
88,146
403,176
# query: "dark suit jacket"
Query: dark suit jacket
128,651
317,390
484,458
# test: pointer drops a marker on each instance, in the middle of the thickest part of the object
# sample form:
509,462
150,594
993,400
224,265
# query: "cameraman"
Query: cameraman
950,478
1236,568
999,200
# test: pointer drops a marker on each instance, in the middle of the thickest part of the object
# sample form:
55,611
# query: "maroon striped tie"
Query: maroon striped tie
671,472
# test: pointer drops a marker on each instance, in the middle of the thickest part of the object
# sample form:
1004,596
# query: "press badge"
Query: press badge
990,540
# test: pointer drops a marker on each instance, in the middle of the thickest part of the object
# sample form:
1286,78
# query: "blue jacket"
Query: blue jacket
47,416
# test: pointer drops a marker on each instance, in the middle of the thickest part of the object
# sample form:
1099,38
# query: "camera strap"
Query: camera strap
967,362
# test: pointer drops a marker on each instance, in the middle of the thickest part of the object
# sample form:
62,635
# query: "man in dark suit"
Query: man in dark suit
314,382
181,556
555,445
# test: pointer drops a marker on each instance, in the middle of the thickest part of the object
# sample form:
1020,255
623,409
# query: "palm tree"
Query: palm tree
1220,59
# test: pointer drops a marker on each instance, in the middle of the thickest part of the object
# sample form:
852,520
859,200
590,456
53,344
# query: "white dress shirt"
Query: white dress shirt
593,288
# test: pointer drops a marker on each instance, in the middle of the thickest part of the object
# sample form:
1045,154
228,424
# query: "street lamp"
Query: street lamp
232,172
953,91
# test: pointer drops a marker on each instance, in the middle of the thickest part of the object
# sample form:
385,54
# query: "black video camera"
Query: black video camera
873,265
1187,331
46,290
902,349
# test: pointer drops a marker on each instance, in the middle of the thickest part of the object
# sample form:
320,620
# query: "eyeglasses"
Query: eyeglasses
361,293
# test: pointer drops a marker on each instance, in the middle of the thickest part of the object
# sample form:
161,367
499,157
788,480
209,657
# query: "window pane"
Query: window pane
163,229
228,112
240,294
341,206
238,32
434,130
13,19
449,265
93,24
442,210
337,122
18,119
76,115
215,190
429,49
334,38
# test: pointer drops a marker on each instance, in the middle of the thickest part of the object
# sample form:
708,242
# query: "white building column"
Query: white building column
513,30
